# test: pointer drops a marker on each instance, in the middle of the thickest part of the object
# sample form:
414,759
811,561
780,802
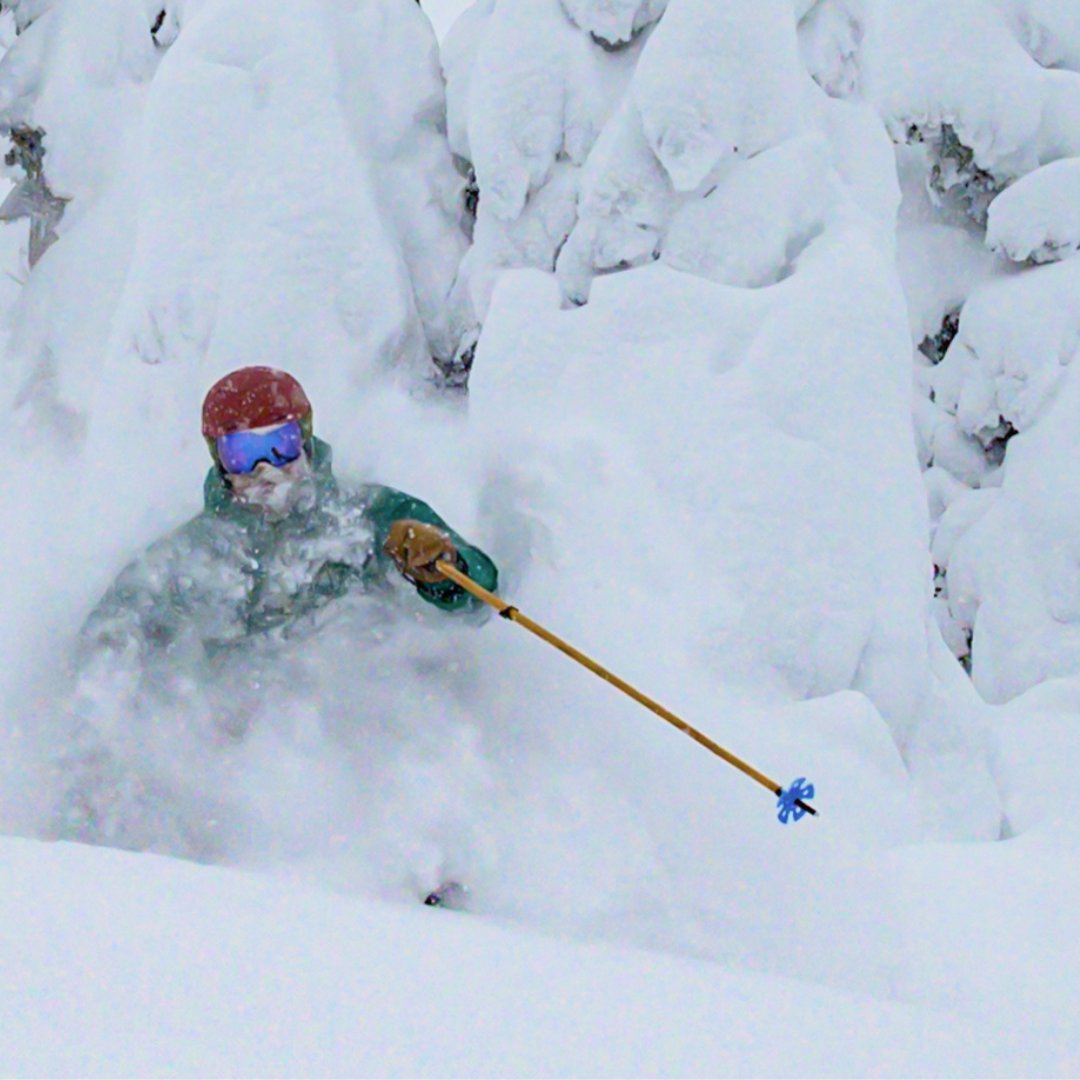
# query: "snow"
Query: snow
830,39
189,146
1010,368
939,891
971,74
234,974
746,231
457,57
703,444
1048,29
444,13
1017,337
512,158
940,262
741,63
1017,564
1038,218
614,21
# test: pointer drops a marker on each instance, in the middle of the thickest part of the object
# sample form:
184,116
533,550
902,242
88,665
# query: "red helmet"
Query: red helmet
254,397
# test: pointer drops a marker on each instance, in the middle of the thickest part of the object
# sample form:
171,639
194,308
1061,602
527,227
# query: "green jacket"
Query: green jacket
229,574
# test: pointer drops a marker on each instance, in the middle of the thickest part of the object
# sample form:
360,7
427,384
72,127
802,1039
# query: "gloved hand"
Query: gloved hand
415,547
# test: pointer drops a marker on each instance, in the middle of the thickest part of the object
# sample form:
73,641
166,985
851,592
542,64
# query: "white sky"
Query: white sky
442,13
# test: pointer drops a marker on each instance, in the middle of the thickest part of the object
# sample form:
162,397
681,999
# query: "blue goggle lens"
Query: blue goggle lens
241,451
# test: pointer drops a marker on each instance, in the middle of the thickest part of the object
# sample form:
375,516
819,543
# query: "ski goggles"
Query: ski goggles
241,451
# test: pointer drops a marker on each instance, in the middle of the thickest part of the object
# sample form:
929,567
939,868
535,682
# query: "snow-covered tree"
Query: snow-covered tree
982,100
728,142
989,94
270,183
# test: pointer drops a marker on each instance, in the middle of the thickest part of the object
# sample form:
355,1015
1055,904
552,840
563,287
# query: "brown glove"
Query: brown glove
415,548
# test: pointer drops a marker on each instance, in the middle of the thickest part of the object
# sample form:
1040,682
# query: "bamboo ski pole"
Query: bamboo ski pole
508,611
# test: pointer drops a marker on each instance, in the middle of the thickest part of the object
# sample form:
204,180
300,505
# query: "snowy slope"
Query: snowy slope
169,969
121,964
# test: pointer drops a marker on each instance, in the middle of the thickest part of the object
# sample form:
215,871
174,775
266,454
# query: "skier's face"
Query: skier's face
275,490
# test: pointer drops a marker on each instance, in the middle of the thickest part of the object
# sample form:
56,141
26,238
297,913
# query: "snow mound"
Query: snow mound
716,81
614,21
583,155
750,229
1013,575
831,33
986,110
987,101
685,127
155,967
516,136
529,93
787,604
757,183
1038,218
1017,338
1048,29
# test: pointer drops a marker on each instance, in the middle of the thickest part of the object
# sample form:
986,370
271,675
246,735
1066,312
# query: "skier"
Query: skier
278,539
277,543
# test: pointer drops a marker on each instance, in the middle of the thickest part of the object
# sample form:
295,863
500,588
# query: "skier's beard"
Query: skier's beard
276,491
